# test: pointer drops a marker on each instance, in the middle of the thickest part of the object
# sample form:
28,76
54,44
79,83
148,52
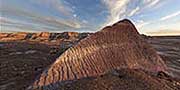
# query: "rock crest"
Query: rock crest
114,47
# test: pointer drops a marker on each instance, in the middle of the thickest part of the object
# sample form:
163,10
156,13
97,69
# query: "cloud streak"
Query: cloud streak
90,15
119,9
134,11
116,8
151,3
37,20
170,16
58,5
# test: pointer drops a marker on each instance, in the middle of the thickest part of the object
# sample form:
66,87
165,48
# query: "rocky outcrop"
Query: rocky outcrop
115,47
3,35
43,36
12,36
68,35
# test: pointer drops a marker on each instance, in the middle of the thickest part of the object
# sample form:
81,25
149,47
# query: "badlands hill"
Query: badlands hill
115,47
24,56
41,36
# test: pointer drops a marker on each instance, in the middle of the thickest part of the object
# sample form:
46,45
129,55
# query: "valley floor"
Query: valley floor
22,61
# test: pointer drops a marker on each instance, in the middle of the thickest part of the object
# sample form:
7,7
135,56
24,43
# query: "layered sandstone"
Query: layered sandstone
12,36
3,35
115,47
43,36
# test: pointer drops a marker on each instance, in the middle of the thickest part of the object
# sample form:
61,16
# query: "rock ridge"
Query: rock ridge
114,47
42,36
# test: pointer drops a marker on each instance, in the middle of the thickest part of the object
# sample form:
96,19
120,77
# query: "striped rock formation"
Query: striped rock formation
115,47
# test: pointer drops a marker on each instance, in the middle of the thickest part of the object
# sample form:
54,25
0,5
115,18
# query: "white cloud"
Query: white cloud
60,15
116,8
58,5
64,10
151,3
85,21
140,25
75,15
9,24
119,9
170,16
134,11
30,18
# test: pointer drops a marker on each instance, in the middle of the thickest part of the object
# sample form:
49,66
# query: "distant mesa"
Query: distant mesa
3,35
42,36
12,36
115,47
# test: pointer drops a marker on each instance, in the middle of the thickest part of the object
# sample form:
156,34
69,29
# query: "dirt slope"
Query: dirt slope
115,47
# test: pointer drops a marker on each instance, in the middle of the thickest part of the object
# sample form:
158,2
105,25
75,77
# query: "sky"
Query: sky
149,16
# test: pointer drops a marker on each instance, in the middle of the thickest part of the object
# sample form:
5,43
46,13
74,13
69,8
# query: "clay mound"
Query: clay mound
123,79
115,47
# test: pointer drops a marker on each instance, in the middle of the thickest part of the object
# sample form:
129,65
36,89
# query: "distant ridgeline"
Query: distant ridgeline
42,36
114,47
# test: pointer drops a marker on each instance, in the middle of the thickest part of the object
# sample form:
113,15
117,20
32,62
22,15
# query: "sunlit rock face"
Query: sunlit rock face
12,36
3,35
41,36
114,47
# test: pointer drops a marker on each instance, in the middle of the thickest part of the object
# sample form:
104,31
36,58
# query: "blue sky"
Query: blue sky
88,15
